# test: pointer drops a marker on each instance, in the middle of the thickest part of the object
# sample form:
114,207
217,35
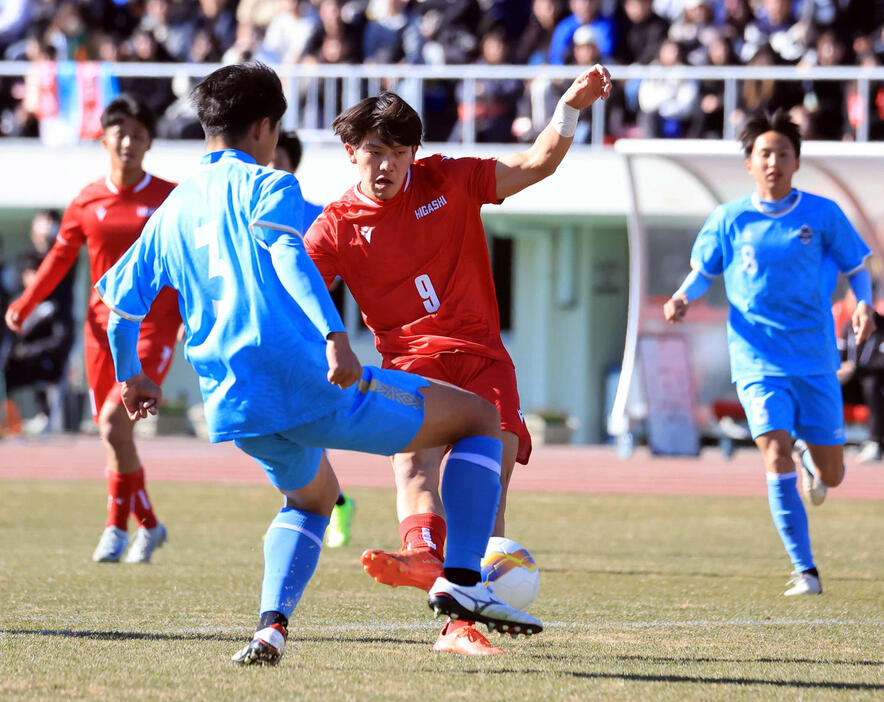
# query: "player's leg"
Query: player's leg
155,349
770,410
114,426
293,540
340,525
820,429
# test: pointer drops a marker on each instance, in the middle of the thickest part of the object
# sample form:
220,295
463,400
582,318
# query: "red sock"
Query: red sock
120,488
424,531
142,509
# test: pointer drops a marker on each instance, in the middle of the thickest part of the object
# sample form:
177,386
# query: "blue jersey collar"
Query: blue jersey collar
226,154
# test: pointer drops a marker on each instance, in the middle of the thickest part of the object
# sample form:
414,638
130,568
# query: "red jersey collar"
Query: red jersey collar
137,188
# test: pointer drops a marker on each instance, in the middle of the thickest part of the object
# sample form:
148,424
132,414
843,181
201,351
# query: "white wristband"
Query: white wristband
564,119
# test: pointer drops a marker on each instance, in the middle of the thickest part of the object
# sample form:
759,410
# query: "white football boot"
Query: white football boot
814,489
111,545
146,540
804,584
477,603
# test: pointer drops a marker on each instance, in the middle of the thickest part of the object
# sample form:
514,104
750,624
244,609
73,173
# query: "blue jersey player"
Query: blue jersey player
775,248
276,370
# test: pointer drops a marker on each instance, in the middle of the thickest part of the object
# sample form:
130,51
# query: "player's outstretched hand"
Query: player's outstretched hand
675,308
863,322
344,367
141,396
589,87
13,319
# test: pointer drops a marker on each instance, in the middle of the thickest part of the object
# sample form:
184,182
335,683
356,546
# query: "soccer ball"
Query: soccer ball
510,572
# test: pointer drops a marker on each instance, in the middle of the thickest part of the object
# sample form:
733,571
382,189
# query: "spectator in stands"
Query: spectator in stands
583,12
218,19
385,29
708,119
445,32
180,120
496,99
333,40
765,94
643,34
248,45
155,92
258,13
38,357
170,27
15,16
67,32
737,16
289,31
775,25
858,110
825,100
667,104
533,46
695,30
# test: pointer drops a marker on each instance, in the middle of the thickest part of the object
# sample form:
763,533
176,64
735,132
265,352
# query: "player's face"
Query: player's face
772,163
126,142
382,167
281,160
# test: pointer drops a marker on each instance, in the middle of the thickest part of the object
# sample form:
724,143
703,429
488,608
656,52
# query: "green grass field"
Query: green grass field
643,597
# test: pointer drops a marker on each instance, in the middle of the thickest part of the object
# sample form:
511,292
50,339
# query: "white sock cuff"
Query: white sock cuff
301,530
779,477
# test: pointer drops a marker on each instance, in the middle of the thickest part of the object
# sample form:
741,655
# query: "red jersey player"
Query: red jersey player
409,243
107,216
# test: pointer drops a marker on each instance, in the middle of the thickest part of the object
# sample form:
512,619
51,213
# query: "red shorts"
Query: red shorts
155,350
491,379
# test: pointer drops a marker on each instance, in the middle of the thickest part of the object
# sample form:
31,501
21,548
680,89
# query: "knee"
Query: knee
487,418
111,432
777,459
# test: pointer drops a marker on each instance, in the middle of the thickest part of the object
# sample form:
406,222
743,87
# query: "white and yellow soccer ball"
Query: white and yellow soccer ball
510,572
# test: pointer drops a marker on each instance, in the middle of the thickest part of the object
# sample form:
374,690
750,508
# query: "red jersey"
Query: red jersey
417,264
108,220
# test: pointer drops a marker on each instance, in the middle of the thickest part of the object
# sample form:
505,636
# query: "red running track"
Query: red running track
589,469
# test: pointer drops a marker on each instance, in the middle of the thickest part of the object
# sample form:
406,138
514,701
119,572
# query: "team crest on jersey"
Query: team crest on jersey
100,212
366,232
144,211
805,234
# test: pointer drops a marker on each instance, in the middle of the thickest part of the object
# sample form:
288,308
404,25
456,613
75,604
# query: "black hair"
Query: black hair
127,105
231,99
779,122
395,121
52,214
291,144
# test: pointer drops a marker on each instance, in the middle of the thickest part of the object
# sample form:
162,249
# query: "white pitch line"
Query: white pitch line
85,626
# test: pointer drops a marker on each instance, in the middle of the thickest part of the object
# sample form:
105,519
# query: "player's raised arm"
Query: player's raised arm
517,171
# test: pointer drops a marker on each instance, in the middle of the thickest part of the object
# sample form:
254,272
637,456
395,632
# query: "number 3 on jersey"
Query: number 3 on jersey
427,292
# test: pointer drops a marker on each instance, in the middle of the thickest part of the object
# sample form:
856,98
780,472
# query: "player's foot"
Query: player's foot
870,452
146,540
465,640
111,545
418,567
804,583
814,489
265,648
477,603
338,532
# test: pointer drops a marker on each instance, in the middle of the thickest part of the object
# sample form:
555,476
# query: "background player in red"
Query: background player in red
107,216
408,241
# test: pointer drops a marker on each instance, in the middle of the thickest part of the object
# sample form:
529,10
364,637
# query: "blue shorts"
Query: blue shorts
383,413
808,407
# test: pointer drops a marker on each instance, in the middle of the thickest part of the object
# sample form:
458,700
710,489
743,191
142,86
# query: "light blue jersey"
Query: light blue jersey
780,320
256,332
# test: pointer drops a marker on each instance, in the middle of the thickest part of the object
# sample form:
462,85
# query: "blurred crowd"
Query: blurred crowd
580,32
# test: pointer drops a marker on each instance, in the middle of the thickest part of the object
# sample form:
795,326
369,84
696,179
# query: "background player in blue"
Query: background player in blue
287,157
774,249
276,370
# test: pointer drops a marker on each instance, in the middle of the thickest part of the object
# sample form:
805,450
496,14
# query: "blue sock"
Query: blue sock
790,518
470,494
291,551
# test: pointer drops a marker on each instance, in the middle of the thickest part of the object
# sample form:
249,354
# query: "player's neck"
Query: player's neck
126,177
777,192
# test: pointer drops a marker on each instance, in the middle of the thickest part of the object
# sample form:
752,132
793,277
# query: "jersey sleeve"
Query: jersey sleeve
131,284
475,175
843,242
58,261
707,255
278,208
321,243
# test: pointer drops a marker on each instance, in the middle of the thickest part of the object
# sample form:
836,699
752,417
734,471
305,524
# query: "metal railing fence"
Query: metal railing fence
322,90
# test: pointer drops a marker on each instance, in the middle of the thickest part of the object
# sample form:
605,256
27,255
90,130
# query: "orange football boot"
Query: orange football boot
414,568
465,640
